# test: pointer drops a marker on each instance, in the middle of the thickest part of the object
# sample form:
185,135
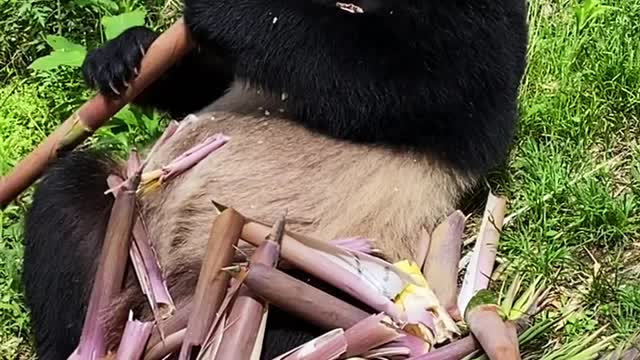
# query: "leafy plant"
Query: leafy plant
65,53
68,53
115,25
582,348
130,127
587,11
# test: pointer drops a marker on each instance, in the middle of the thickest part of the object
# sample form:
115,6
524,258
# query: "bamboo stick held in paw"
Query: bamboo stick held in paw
162,54
212,282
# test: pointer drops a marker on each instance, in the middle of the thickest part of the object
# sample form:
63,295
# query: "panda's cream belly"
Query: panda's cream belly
329,188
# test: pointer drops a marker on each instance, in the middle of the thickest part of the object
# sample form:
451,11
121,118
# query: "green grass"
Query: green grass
573,179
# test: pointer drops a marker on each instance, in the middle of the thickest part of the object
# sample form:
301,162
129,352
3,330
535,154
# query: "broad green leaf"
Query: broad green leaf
116,25
59,58
60,43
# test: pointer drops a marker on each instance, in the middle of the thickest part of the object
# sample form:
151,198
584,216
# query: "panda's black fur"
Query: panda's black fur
437,76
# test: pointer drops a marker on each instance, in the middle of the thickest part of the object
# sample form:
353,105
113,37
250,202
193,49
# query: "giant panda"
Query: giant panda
372,124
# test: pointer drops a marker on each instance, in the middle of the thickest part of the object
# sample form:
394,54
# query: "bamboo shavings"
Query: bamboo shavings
153,179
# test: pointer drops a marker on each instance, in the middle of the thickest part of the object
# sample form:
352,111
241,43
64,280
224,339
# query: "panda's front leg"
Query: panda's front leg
194,82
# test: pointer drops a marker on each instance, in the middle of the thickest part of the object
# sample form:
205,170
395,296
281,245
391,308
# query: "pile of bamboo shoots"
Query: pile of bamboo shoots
419,312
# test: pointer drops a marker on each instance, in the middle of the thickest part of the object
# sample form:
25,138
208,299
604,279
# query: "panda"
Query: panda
371,123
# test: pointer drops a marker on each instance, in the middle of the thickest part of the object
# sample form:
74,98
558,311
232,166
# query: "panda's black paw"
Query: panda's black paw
111,67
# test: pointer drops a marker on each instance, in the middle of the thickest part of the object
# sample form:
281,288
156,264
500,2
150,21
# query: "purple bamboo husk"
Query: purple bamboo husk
416,346
368,334
455,350
147,267
157,282
316,263
359,244
193,156
329,346
134,339
197,147
420,315
169,345
387,352
441,266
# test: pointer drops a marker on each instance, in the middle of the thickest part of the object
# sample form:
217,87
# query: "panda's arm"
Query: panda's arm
345,74
191,84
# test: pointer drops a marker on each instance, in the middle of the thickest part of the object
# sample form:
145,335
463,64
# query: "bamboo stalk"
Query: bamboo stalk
146,265
110,272
172,325
246,315
499,341
135,336
484,253
441,266
316,262
168,48
212,282
170,345
301,299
